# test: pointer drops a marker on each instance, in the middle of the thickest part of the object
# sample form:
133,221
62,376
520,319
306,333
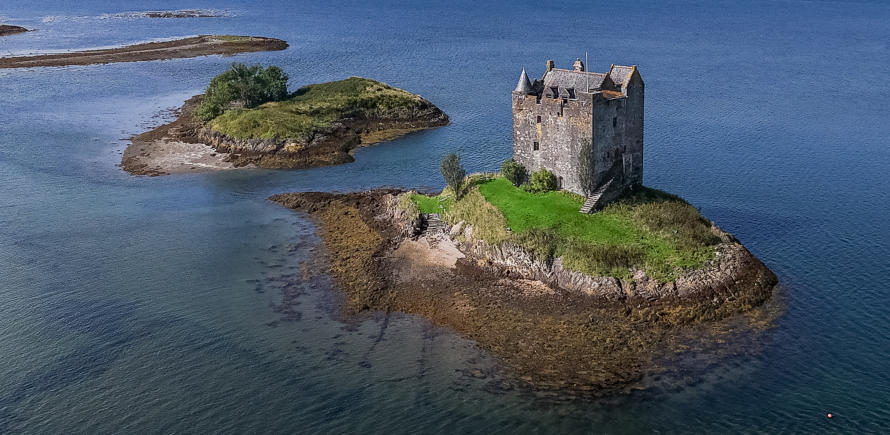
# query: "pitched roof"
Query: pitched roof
524,85
582,81
620,74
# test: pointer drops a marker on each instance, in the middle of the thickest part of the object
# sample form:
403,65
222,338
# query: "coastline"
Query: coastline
181,48
173,148
188,146
551,337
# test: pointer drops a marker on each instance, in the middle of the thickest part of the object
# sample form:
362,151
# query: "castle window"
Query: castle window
614,121
539,119
535,146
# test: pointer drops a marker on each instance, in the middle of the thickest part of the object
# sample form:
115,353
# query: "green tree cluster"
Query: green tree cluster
243,86
514,172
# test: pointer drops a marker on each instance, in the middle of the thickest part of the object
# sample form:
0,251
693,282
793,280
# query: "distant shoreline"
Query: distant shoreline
203,45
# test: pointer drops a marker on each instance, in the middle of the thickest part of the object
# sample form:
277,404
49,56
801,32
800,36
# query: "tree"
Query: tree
242,85
514,172
453,173
585,168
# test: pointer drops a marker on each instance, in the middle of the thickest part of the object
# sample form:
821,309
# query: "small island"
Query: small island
180,13
6,29
563,265
246,118
203,45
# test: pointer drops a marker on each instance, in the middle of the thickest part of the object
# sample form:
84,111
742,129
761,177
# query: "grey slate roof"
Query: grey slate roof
576,80
620,74
524,85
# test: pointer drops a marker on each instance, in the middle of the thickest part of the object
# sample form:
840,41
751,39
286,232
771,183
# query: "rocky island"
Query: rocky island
6,29
203,45
566,300
316,125
563,265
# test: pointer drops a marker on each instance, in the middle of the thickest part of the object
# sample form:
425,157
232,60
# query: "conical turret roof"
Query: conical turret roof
524,85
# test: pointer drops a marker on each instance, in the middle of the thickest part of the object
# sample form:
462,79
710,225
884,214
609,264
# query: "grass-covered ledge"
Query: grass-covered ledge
649,230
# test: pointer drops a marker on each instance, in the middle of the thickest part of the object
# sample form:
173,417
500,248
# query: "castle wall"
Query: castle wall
563,128
633,130
612,121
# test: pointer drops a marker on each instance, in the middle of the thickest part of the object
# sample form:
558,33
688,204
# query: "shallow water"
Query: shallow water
154,304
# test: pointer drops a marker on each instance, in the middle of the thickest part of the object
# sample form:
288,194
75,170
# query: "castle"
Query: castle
585,127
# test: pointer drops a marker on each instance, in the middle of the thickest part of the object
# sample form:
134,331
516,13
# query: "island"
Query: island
246,118
203,45
6,29
563,265
180,13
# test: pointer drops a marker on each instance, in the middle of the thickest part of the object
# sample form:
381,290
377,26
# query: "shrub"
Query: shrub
453,173
247,86
541,181
514,172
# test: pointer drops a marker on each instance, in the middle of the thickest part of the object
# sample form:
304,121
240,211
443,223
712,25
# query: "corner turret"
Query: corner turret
524,85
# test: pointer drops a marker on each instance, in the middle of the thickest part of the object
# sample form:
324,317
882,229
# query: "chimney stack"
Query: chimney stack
578,65
550,65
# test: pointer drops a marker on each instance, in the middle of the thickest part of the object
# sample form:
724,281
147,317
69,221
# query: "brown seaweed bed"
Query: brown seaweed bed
547,338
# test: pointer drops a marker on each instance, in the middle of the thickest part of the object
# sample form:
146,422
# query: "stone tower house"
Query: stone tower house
585,127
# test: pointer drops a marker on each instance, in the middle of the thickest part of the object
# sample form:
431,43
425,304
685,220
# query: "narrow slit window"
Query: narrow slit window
535,146
539,119
614,122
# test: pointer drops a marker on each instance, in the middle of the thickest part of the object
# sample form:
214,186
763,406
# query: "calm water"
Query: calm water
164,304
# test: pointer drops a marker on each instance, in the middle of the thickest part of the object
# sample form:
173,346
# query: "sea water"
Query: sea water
182,304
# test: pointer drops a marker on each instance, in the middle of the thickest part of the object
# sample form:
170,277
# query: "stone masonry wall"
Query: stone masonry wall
563,127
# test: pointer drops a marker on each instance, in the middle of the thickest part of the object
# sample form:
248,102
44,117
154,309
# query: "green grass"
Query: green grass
652,230
315,107
431,204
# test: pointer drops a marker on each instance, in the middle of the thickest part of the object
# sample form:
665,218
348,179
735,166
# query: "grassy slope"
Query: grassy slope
315,107
652,230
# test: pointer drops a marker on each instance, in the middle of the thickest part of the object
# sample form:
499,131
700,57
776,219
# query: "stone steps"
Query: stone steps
434,223
591,203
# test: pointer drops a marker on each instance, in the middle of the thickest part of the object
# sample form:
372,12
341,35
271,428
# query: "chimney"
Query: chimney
578,65
550,65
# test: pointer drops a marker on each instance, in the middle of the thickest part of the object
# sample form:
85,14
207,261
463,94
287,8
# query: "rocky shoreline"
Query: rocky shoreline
197,148
554,329
181,48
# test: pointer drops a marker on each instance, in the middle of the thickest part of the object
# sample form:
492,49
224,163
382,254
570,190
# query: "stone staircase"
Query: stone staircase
434,223
592,201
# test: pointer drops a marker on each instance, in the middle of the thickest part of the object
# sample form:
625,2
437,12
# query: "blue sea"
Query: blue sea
181,304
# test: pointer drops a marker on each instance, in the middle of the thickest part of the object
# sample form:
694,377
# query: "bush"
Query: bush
247,86
514,172
453,173
541,181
